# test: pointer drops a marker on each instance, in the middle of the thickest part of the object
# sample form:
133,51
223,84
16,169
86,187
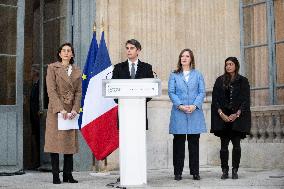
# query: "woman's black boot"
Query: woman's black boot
56,179
235,173
67,177
225,174
55,167
68,168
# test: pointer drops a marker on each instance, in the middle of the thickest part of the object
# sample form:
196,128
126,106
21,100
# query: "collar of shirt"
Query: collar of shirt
130,65
186,75
69,70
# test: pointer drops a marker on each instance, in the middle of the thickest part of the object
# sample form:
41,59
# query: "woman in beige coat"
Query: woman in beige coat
64,84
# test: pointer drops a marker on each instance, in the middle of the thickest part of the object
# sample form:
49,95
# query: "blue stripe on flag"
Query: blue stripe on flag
91,58
102,60
98,60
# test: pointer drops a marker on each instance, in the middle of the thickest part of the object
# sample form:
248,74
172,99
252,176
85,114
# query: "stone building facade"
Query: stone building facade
251,30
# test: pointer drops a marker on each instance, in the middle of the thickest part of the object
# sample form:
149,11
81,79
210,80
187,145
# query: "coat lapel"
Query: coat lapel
63,74
125,70
182,78
139,70
76,73
190,77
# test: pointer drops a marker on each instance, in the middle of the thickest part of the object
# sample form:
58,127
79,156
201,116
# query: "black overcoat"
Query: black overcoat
238,100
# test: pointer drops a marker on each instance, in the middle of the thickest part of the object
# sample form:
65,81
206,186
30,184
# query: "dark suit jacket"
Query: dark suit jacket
34,108
121,71
144,70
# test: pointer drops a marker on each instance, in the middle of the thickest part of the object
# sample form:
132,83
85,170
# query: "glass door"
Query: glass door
11,85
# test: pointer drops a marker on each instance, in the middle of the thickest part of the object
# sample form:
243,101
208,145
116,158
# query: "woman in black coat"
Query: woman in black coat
230,113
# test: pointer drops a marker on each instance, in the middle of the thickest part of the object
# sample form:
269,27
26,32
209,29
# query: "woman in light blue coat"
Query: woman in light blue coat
186,90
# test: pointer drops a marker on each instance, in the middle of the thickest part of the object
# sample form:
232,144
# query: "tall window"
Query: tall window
54,33
54,28
262,47
8,37
54,18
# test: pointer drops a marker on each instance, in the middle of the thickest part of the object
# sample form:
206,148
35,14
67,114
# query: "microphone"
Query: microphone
108,74
155,74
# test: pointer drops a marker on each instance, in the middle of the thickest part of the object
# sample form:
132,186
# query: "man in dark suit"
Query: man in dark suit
123,70
35,117
133,68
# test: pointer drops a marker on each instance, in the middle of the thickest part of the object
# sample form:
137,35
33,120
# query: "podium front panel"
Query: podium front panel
131,88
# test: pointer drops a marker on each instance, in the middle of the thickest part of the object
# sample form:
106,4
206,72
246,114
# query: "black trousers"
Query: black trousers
236,153
179,151
68,163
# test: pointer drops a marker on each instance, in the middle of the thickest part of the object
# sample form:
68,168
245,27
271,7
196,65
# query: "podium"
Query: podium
131,94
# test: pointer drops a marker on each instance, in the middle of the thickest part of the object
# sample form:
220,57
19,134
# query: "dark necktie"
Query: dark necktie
132,73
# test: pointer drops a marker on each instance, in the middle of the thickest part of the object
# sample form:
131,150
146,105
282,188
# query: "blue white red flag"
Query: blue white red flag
98,117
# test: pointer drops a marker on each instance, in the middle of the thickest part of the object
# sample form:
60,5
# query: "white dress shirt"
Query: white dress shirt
69,70
130,65
186,75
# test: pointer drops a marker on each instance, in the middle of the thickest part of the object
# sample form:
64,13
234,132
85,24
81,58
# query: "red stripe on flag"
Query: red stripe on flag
102,134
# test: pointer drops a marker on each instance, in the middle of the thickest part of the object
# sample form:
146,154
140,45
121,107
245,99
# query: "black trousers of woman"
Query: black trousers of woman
67,168
179,151
236,153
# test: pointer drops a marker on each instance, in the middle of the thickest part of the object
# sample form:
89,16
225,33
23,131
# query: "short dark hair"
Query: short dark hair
59,50
135,43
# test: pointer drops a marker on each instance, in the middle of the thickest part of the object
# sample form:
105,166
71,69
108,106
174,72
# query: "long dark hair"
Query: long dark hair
227,77
59,50
191,64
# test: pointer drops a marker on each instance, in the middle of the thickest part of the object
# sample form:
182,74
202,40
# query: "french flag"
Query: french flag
98,115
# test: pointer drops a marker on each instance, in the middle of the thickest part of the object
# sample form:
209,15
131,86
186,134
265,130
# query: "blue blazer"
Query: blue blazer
187,93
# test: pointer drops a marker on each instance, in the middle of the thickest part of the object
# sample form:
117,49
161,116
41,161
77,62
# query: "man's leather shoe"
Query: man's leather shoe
178,177
196,177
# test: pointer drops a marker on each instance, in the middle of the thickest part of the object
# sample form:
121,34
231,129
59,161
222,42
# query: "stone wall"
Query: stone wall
263,149
212,30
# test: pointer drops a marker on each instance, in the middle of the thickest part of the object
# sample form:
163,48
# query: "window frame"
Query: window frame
69,37
271,47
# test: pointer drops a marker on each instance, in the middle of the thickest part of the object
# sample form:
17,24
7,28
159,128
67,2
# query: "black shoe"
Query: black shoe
196,177
56,179
69,178
178,177
235,173
225,174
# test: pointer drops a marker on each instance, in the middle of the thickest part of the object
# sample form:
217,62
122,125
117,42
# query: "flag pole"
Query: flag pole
94,27
102,25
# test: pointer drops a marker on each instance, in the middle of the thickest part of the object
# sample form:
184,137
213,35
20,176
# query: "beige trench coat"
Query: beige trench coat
64,92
